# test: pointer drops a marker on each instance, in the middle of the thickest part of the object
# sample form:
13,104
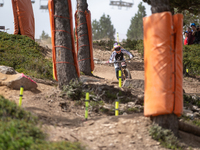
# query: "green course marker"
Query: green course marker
21,95
86,105
117,107
120,78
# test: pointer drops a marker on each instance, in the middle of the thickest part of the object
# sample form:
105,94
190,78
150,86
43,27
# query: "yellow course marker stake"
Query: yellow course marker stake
21,95
117,37
117,107
120,78
86,105
187,70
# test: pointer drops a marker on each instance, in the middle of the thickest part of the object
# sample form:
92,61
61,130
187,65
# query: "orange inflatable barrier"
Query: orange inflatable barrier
159,97
178,29
163,64
88,19
89,27
52,23
24,22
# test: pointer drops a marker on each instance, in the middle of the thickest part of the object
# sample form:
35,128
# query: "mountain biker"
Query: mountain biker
118,55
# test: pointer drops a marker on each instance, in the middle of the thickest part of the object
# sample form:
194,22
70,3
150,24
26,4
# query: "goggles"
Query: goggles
117,48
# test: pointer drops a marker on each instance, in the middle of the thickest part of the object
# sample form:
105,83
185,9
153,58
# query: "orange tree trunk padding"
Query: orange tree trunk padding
52,23
89,27
178,28
163,61
24,22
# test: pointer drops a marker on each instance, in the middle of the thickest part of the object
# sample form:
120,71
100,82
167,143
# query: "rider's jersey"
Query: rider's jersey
116,57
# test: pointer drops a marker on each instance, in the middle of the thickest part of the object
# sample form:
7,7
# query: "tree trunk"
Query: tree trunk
169,121
158,6
189,128
66,70
83,40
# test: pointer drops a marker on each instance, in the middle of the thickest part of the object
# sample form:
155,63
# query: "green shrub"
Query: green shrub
129,44
189,100
164,136
193,121
140,47
105,44
24,55
74,90
134,45
19,130
191,59
18,134
9,110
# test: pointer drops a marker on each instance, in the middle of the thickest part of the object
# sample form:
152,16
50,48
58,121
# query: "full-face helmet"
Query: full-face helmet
117,47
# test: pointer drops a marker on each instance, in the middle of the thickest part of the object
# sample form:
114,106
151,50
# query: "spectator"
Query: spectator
190,36
193,26
186,38
197,36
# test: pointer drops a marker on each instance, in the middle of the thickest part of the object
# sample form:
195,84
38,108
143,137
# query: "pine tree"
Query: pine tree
95,30
103,29
135,30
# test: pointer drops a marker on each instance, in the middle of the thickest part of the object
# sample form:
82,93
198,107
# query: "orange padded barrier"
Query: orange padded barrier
89,27
88,19
24,22
158,54
163,64
52,23
178,28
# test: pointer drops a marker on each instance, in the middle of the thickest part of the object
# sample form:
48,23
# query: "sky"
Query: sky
120,18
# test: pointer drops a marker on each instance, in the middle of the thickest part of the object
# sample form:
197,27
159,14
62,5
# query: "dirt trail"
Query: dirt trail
62,120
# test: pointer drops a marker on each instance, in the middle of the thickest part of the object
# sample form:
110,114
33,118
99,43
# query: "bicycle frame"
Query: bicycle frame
121,68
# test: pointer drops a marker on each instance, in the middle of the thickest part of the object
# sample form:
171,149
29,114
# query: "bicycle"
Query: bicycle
123,67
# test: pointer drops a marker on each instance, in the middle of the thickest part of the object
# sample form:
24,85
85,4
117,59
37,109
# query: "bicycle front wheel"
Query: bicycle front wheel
127,74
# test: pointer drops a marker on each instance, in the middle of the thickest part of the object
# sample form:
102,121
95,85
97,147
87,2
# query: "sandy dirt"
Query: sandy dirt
63,120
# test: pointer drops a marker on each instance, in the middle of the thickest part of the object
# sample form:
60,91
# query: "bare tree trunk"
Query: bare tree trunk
83,40
169,121
66,70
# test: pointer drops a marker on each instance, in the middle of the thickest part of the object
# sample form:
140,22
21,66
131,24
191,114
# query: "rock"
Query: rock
131,104
85,78
141,97
195,108
191,115
7,70
196,115
15,81
194,97
134,83
124,114
186,111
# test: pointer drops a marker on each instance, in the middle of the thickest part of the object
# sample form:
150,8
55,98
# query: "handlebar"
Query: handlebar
118,61
106,62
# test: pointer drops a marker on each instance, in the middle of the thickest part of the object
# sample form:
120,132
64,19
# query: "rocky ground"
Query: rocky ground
63,119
